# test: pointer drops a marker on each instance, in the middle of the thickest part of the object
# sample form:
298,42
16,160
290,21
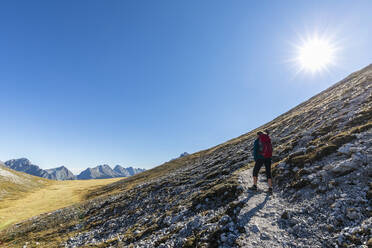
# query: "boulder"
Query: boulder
344,167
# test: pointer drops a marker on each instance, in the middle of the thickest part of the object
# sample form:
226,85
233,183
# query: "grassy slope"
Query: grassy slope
12,187
146,176
28,196
286,143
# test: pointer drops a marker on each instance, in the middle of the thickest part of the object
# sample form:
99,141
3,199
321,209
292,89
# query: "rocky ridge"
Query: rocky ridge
24,165
126,172
322,195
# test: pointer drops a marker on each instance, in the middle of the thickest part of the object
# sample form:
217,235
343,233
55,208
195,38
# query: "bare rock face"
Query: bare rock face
98,172
24,165
127,172
60,173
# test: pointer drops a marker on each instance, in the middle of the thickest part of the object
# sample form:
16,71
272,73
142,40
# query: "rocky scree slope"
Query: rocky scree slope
322,171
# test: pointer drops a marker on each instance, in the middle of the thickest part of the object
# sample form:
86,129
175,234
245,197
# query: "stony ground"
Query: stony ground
260,216
322,197
333,210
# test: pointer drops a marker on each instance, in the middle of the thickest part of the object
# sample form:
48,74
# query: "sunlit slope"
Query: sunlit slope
13,184
319,116
183,202
25,196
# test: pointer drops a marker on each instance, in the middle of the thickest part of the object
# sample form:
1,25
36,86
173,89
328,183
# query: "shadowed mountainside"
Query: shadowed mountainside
195,200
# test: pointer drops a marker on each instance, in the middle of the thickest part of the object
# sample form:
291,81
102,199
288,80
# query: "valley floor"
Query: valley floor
57,195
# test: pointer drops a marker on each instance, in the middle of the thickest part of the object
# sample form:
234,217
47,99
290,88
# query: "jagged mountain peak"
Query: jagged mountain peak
103,166
60,173
21,161
105,171
24,165
128,171
118,166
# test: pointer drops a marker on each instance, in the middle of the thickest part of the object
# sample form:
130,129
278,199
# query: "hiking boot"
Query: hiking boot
270,191
254,187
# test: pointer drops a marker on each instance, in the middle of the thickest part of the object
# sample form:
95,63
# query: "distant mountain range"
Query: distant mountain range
105,171
62,173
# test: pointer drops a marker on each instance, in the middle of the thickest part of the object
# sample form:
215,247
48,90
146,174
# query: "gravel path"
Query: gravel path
261,217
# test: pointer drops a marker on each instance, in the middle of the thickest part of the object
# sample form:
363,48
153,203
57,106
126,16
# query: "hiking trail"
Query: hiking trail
262,216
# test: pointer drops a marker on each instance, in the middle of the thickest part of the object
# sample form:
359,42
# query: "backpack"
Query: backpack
264,146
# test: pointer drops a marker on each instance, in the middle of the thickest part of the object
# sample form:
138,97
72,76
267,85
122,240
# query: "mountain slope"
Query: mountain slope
60,173
98,172
322,170
13,183
127,172
24,165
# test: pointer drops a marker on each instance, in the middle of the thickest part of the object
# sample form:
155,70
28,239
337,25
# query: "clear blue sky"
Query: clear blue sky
137,83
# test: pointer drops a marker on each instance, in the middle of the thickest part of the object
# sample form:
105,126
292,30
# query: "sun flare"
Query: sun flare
315,54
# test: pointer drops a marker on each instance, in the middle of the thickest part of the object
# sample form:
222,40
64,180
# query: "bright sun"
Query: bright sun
315,54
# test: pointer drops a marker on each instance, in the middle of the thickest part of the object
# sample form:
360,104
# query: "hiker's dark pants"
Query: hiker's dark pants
258,165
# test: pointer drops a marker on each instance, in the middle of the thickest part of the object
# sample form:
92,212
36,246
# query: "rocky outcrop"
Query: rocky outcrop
184,154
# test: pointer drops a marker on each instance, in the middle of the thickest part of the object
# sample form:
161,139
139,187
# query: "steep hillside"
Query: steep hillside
16,185
322,191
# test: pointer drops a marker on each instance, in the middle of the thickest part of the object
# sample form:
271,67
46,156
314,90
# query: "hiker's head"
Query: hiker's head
259,133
